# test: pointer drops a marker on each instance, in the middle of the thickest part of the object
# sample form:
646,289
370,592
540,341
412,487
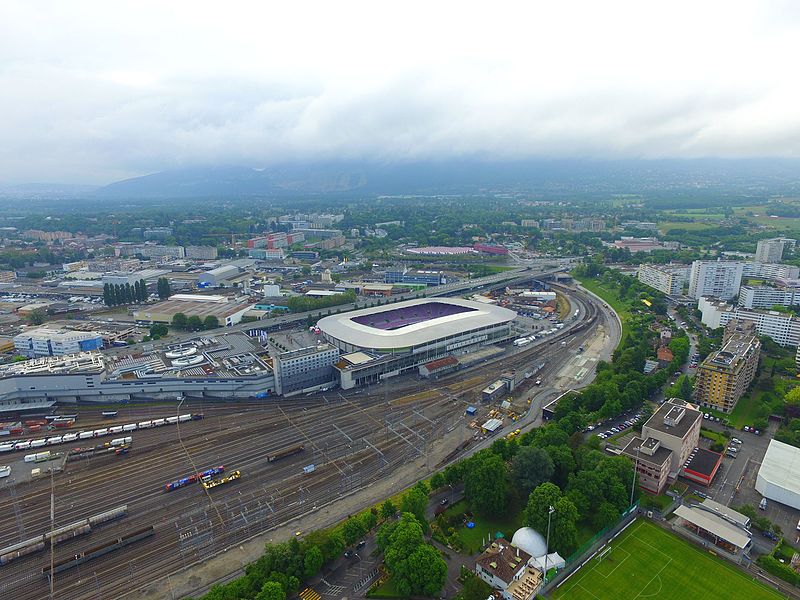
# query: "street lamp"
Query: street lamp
635,468
550,512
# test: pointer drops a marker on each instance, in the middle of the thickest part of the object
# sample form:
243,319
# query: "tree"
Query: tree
272,590
179,321
142,290
564,532
194,323
486,485
108,295
605,515
415,501
539,503
438,481
36,316
404,537
352,530
312,562
136,291
210,322
388,509
158,330
163,288
563,463
425,572
530,468
475,588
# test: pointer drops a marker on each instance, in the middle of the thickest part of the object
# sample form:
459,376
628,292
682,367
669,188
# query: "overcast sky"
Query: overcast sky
91,92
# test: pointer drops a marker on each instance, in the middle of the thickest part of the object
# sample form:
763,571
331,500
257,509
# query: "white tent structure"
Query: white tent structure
779,475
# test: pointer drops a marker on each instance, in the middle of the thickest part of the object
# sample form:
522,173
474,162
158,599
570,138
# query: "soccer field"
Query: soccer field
648,562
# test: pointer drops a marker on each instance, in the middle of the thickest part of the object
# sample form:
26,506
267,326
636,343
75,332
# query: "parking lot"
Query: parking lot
352,575
742,471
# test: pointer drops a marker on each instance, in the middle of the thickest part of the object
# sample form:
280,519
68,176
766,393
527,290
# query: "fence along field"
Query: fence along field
647,562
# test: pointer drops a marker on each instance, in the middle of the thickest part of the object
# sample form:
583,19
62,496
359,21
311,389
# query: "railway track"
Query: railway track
354,440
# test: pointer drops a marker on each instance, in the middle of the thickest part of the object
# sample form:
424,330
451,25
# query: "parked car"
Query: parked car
736,440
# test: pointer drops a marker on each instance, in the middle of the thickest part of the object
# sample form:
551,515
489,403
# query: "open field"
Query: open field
648,562
692,226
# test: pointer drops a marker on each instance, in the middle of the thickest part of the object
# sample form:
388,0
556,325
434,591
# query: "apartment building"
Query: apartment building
771,250
770,270
715,278
201,252
765,296
668,439
724,376
782,328
668,280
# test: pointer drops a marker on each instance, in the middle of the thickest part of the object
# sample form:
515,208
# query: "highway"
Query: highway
353,439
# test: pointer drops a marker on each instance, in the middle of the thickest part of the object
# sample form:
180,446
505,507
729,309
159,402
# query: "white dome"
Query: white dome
531,541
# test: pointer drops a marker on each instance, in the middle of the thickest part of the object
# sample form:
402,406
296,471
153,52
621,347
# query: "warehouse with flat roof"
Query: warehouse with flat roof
228,312
778,477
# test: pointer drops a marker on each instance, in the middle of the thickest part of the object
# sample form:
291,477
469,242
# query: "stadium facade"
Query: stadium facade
377,343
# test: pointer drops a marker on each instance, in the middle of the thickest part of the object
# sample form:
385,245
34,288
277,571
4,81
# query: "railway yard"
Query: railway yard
271,461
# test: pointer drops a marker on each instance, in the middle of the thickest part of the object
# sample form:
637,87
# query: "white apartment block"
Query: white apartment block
770,270
201,252
715,278
762,296
769,251
662,278
782,328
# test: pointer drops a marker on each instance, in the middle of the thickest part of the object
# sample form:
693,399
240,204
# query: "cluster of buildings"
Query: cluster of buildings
668,447
349,349
165,252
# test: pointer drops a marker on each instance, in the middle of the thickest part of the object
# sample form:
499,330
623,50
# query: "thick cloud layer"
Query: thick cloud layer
97,91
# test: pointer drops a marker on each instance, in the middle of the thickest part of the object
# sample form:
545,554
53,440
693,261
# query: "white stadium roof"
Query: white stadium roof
343,327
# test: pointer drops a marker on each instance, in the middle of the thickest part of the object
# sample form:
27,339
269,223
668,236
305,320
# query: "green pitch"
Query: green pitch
646,562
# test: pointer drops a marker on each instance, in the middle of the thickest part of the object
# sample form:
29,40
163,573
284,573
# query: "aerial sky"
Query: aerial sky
92,92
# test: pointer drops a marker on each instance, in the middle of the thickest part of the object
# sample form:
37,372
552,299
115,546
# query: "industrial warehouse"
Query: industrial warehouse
383,342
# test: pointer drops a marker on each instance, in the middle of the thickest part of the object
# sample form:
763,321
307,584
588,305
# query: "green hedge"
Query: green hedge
777,568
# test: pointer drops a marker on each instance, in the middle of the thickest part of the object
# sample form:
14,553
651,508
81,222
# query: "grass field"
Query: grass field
486,528
611,296
648,562
666,226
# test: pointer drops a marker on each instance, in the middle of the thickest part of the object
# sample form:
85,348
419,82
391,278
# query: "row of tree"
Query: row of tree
194,323
163,288
124,294
306,303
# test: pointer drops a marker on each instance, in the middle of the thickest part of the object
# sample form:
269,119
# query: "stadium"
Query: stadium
381,342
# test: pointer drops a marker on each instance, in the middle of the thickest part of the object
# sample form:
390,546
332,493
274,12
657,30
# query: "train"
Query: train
61,534
286,452
174,485
117,446
87,435
115,544
209,483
